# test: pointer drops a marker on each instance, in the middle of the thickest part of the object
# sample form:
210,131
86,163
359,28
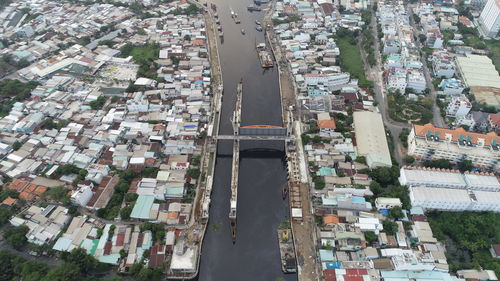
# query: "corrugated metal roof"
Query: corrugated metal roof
142,207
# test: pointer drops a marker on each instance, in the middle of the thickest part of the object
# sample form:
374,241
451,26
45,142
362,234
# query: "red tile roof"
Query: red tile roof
421,131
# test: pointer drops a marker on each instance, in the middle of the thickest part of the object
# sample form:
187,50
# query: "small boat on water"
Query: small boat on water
243,31
257,22
252,8
258,28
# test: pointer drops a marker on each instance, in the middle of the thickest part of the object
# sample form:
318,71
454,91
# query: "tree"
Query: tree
135,269
193,173
59,194
17,145
129,175
465,165
316,139
409,159
32,270
422,38
16,236
361,159
84,262
385,175
65,272
376,188
439,163
130,197
126,211
390,227
98,103
4,215
305,139
187,37
371,237
396,213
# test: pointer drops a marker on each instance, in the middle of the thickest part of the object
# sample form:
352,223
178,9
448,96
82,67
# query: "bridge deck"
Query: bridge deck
241,137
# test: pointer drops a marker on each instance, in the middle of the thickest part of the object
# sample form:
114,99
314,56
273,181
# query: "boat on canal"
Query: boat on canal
287,252
243,31
258,28
265,57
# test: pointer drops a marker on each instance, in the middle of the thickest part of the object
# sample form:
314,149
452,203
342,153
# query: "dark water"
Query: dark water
255,255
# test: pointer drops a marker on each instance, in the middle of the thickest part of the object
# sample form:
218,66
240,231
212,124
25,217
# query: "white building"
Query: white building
387,203
416,81
371,140
429,142
446,199
82,196
458,106
431,177
396,80
443,64
441,178
489,20
452,86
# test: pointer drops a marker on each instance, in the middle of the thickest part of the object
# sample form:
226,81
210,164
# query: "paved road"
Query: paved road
375,73
437,118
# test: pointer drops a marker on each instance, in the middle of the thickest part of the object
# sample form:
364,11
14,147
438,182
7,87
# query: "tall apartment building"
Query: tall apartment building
489,20
429,142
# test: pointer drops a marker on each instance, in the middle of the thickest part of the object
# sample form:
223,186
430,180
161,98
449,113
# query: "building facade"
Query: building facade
489,19
429,142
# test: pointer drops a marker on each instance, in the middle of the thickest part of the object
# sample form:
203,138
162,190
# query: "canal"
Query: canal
255,255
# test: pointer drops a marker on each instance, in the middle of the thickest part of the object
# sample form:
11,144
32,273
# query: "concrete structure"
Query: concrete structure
371,140
458,106
429,142
489,20
416,81
452,86
432,177
446,199
387,203
82,196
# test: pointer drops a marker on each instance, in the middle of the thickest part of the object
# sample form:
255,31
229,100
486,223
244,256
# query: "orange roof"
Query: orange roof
495,119
40,189
158,127
326,124
422,131
172,215
198,42
150,160
18,185
31,187
331,219
9,201
26,196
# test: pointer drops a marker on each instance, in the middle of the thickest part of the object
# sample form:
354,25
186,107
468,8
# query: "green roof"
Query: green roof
142,207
